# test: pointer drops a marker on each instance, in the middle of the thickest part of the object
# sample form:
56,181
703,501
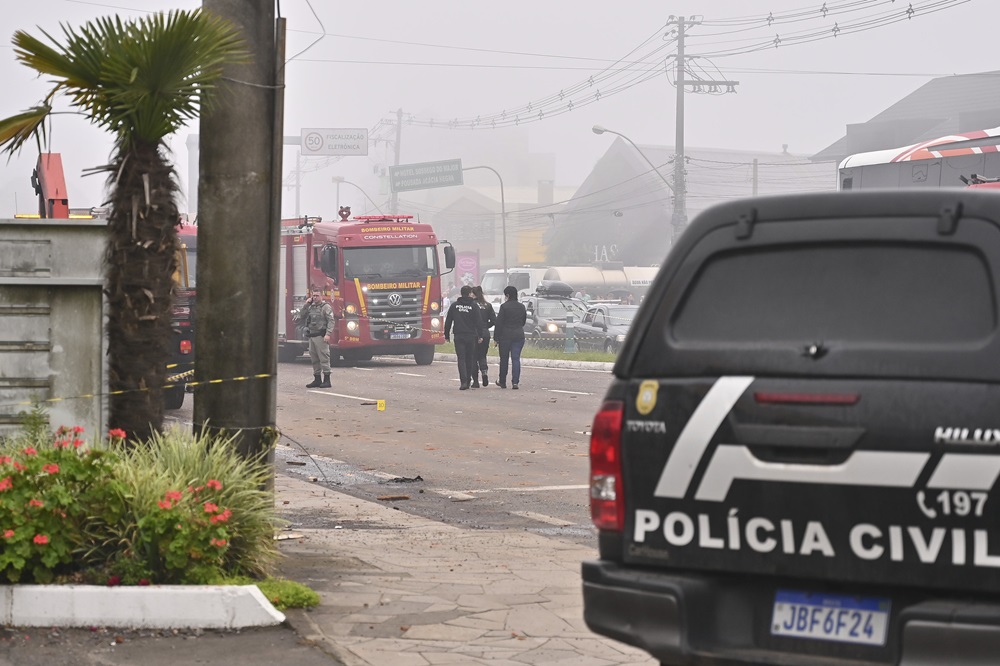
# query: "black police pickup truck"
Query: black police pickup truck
797,458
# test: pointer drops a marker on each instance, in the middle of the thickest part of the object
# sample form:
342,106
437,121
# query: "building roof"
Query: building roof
942,106
625,208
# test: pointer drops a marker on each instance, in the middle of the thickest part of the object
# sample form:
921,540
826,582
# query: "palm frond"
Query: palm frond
16,130
141,80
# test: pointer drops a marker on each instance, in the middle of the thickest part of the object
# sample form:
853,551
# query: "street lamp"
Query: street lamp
340,179
601,130
503,215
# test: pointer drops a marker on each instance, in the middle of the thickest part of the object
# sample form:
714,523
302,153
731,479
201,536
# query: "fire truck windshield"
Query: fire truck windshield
390,263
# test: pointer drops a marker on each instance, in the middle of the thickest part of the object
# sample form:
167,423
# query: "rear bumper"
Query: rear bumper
690,619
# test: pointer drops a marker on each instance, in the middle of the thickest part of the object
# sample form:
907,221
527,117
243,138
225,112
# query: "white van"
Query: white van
523,279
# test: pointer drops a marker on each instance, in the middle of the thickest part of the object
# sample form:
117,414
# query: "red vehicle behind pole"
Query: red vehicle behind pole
382,275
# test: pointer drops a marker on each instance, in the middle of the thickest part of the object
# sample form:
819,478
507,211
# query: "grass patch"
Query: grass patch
281,592
531,351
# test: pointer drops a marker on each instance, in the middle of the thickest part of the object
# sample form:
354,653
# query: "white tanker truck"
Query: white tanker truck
598,281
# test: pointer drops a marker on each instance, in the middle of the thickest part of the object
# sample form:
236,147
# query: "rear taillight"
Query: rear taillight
607,502
185,346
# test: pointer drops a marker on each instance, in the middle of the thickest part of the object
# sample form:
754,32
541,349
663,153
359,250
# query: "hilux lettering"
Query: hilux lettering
966,436
730,462
957,546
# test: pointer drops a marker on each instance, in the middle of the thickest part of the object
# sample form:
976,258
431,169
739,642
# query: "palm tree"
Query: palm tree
141,80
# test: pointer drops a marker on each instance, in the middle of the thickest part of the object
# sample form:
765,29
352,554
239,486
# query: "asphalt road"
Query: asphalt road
483,458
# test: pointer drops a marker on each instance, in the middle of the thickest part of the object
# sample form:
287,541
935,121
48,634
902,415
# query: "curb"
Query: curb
153,607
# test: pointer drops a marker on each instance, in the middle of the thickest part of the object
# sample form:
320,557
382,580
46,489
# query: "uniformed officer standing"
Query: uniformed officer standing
317,318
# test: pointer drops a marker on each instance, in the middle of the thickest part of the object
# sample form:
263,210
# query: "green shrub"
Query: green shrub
58,503
196,509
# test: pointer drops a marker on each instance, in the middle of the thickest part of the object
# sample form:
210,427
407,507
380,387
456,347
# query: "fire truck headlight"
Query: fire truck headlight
351,309
435,323
435,306
352,326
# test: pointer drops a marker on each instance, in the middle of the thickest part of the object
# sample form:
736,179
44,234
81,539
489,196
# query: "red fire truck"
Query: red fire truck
382,275
180,365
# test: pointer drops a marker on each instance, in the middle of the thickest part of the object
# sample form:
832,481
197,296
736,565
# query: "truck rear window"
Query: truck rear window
914,293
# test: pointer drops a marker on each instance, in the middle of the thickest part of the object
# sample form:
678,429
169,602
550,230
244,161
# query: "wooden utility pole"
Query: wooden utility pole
680,186
394,205
238,237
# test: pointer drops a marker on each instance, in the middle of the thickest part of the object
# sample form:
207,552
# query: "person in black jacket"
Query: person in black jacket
509,334
489,320
464,316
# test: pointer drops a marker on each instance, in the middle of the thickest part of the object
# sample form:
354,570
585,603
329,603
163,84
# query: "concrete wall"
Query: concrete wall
52,345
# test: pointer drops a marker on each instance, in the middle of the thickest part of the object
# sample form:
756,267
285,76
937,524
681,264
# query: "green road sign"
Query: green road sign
425,175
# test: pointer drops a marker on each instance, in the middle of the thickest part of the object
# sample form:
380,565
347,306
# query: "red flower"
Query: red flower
163,504
37,503
117,433
30,451
214,484
114,580
77,443
61,444
143,581
51,468
6,484
8,534
211,508
19,467
222,517
173,495
4,460
218,542
41,539
77,429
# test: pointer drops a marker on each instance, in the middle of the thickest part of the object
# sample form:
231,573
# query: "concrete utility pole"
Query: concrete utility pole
680,193
394,205
239,193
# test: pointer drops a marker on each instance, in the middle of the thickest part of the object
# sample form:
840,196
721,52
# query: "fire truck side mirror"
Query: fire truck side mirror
449,256
328,261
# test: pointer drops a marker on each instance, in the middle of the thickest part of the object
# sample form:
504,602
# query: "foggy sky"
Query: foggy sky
807,110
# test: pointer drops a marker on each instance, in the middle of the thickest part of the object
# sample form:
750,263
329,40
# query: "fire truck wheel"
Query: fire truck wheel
424,355
173,398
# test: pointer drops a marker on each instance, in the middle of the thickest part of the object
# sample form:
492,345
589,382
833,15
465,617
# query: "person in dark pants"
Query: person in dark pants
509,334
489,317
464,316
316,316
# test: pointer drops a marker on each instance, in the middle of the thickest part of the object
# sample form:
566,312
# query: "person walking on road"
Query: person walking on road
464,316
509,334
489,317
316,316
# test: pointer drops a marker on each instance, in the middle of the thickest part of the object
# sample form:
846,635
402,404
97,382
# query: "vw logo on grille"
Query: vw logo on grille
395,300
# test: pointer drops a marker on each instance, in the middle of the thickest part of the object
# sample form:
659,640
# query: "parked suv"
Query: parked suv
605,326
548,309
796,460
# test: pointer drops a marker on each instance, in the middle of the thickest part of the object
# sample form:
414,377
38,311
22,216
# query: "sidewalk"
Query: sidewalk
401,590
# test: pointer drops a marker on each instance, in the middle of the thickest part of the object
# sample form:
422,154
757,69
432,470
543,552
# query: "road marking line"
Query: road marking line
542,518
410,374
531,489
452,494
545,367
469,494
341,395
570,392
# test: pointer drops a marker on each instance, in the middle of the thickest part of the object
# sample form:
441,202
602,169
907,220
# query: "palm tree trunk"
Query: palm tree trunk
140,261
